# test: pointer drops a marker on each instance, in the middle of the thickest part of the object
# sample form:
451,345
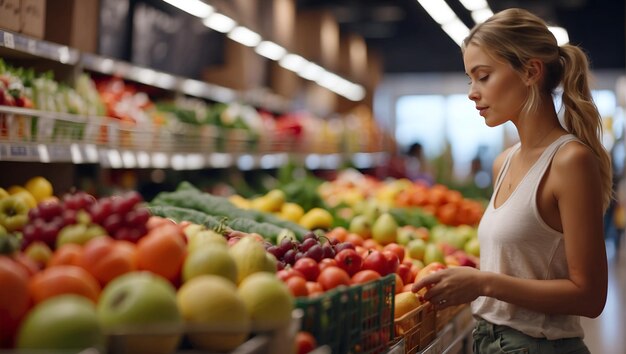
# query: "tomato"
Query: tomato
333,277
285,274
305,342
349,260
397,249
297,286
378,262
404,271
354,239
365,276
314,288
327,262
308,267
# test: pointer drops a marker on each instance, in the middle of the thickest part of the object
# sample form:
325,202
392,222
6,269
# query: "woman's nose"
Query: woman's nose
473,93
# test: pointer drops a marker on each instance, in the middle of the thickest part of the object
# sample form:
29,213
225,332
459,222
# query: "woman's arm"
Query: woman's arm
579,199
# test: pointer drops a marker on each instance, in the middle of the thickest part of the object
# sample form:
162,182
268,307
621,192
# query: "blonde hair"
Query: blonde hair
517,36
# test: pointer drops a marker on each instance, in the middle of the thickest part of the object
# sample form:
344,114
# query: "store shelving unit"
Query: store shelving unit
32,135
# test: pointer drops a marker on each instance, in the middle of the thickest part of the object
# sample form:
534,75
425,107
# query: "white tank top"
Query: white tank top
516,241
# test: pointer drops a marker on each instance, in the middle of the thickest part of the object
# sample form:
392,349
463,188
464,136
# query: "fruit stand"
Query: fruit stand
310,265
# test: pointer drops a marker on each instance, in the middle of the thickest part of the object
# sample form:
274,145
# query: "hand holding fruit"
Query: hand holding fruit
450,286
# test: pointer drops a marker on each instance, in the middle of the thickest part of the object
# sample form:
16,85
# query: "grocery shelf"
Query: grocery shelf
36,136
19,43
38,48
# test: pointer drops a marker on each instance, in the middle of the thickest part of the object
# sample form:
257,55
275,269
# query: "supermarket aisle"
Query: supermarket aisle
605,334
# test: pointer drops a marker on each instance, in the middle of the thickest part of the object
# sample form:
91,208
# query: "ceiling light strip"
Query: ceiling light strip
301,66
446,18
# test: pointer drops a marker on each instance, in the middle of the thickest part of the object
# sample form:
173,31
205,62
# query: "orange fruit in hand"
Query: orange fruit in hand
63,279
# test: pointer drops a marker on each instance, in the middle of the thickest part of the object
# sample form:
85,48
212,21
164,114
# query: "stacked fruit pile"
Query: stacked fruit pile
105,274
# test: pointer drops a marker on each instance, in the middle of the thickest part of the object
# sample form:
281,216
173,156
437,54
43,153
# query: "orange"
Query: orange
14,298
162,251
67,254
63,279
106,258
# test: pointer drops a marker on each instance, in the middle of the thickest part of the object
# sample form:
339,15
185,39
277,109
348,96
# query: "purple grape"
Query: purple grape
307,244
276,251
342,246
290,256
310,235
316,252
329,251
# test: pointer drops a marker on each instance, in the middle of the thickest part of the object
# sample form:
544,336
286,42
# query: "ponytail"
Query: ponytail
581,117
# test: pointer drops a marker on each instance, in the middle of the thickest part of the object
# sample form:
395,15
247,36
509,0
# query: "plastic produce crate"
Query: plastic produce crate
417,327
356,319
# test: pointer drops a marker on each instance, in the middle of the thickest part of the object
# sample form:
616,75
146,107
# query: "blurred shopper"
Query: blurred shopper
416,165
543,258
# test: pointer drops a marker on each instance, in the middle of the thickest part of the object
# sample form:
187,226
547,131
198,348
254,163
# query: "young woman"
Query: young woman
543,259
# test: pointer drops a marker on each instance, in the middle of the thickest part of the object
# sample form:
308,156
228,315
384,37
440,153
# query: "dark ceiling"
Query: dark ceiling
408,40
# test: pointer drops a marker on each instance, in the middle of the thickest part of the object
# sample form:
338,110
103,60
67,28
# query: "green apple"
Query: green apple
285,234
406,234
62,322
79,233
433,254
416,249
473,247
210,259
138,311
13,213
385,229
361,226
193,229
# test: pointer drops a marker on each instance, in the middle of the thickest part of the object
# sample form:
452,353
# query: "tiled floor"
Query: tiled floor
607,333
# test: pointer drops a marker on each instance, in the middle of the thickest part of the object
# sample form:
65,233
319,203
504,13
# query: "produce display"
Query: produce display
77,266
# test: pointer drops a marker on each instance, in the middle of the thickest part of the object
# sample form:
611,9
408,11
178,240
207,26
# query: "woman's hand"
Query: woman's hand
451,286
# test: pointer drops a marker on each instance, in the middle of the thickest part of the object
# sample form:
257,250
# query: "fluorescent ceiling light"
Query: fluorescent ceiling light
456,30
293,62
480,16
311,71
474,5
245,36
220,23
560,34
193,7
330,80
356,93
270,50
438,10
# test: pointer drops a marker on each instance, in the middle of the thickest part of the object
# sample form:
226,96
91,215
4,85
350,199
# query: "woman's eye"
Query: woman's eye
484,78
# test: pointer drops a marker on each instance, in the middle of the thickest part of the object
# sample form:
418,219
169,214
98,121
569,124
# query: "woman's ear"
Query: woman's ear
534,72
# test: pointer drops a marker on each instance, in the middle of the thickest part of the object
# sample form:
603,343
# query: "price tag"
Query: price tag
8,40
19,151
61,153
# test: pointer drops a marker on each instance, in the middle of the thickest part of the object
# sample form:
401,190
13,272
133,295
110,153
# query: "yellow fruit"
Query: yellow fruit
27,198
3,193
39,187
240,202
16,189
316,218
291,211
404,303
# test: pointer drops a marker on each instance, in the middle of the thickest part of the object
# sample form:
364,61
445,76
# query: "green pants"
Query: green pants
496,339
